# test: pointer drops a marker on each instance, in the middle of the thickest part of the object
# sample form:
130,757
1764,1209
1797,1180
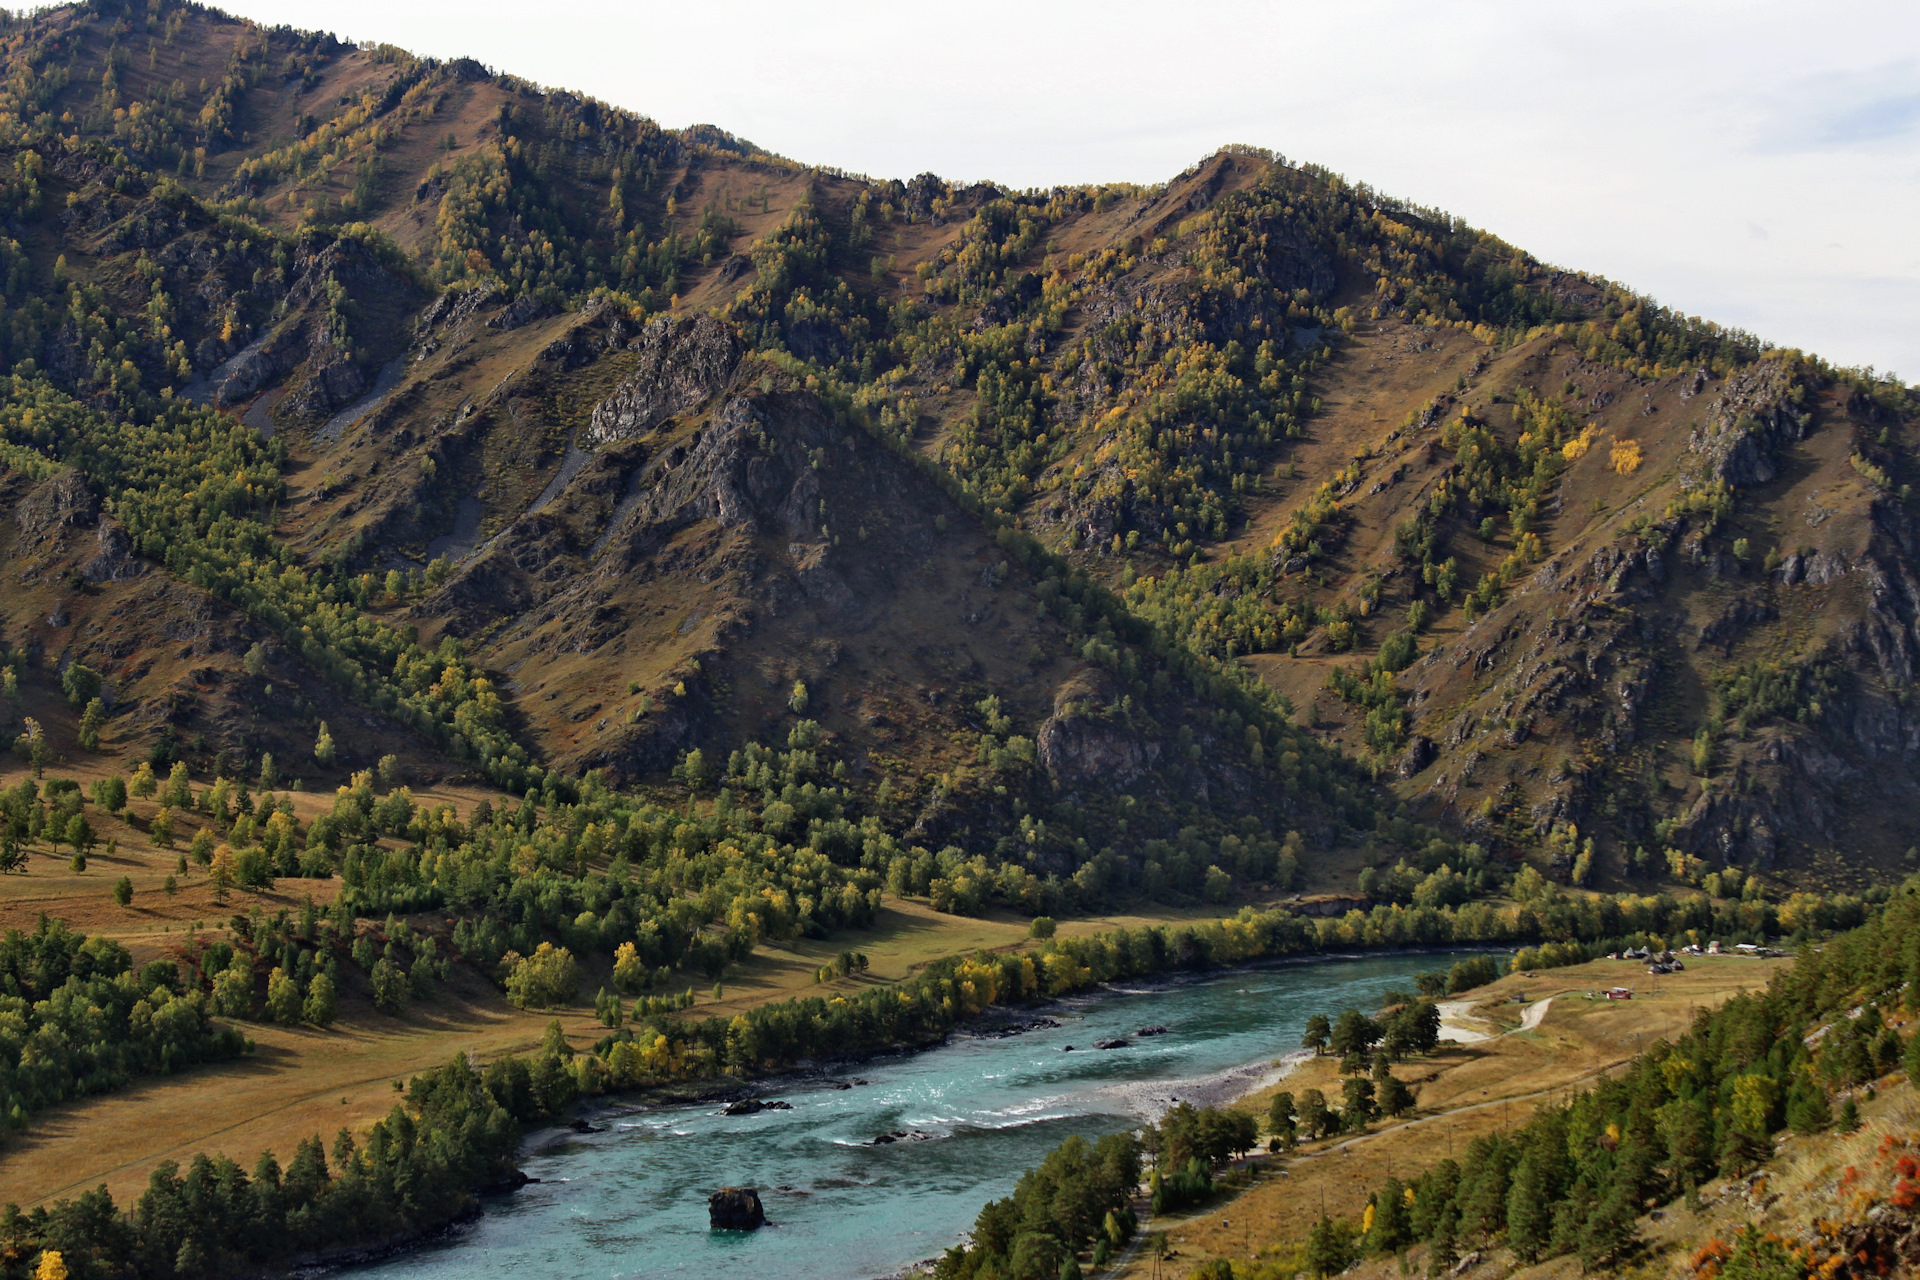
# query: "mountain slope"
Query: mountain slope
1042,506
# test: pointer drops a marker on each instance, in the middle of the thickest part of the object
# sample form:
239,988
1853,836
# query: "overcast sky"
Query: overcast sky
1755,163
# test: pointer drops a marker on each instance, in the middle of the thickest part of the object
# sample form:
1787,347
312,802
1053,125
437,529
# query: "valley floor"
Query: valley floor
301,1080
1547,1035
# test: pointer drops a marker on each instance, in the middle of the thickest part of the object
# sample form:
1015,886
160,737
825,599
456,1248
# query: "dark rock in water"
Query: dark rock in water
1112,1042
841,1084
1001,1030
753,1106
1066,1049
579,1125
511,1180
1151,1031
901,1135
735,1209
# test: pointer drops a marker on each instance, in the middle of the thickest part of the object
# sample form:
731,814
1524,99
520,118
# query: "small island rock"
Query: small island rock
735,1209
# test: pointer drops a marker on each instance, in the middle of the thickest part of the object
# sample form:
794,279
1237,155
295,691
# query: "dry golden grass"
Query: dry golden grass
302,1081
1464,1091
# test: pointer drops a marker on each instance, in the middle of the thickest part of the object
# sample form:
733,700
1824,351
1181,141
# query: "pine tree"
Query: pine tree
1609,1230
323,747
1319,1031
1529,1211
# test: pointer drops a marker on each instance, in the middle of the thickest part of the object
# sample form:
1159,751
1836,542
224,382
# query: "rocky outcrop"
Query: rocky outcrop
735,1209
1789,785
683,363
115,561
60,502
1746,426
1080,745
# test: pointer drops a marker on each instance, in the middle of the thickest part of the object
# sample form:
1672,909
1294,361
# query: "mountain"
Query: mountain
1106,531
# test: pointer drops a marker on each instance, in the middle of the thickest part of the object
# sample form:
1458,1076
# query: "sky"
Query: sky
1757,163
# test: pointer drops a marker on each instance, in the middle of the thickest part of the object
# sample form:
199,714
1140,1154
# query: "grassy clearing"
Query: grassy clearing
302,1081
1464,1091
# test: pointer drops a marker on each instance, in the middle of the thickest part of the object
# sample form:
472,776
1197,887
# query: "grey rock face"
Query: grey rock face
60,502
115,561
1747,424
682,363
1080,745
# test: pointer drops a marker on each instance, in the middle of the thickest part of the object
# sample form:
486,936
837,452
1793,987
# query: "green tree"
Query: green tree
90,721
81,684
549,976
388,771
1354,1033
110,793
1319,1030
283,998
256,661
1391,1229
1331,1247
1357,1102
1316,1120
389,987
1529,1211
323,747
319,1006
1282,1123
179,792
1609,1230
233,988
1394,1097
123,891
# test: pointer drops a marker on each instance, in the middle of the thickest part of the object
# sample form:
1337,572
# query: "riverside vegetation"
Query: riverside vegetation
756,543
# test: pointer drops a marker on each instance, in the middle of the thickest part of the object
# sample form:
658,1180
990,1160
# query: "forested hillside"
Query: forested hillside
1095,514
758,556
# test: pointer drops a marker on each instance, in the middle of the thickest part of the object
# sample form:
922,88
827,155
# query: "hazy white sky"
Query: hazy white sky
1757,163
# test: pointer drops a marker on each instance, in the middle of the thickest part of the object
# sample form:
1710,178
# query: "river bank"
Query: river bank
1545,1038
975,1112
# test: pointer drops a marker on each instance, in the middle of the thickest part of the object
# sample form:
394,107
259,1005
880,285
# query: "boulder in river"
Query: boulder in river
1112,1042
753,1107
735,1209
1155,1030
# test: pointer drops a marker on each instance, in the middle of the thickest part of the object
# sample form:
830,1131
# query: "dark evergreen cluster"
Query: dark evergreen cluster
417,1170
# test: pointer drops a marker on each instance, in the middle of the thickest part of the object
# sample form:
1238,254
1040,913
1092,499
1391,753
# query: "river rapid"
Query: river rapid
631,1201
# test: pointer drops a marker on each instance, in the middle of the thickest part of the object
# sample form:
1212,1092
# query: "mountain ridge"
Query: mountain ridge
1159,422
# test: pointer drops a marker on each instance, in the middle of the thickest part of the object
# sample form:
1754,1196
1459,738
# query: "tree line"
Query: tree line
1577,1176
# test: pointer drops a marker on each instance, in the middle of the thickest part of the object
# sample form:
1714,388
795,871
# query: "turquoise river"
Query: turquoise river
631,1201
